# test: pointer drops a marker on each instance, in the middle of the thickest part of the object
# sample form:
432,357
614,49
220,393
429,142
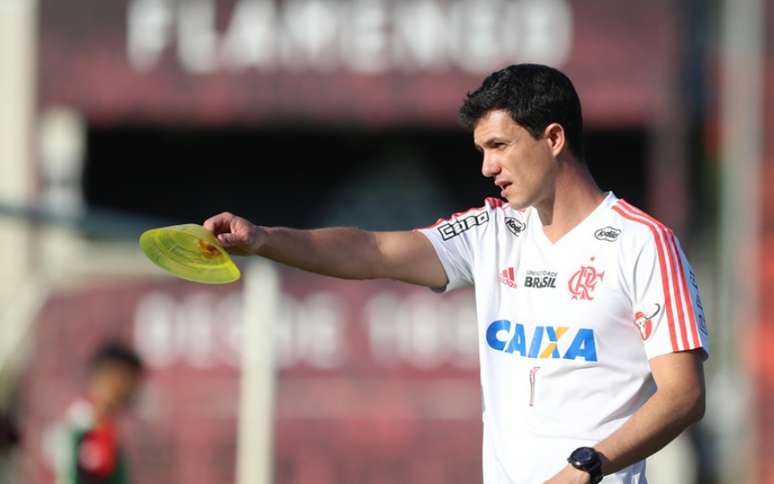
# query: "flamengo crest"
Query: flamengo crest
584,281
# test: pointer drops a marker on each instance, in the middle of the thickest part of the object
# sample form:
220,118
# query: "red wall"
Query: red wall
378,382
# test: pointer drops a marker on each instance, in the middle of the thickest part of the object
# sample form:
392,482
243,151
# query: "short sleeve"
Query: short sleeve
454,240
667,306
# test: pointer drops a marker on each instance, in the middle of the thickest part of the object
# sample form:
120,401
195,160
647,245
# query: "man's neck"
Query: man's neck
574,197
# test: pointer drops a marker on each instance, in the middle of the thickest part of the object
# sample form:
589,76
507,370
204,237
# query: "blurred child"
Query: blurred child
90,452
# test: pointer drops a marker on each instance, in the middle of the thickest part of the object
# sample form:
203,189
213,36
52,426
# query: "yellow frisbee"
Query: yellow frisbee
190,252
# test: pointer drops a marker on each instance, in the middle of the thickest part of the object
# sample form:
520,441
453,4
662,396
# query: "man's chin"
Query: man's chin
517,203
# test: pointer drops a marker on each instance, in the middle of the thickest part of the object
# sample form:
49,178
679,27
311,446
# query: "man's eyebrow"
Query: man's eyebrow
480,146
489,142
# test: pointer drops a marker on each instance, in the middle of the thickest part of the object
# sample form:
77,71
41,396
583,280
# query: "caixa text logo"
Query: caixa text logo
502,335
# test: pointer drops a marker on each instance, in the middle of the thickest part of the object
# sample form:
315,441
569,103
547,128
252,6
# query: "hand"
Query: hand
570,475
237,235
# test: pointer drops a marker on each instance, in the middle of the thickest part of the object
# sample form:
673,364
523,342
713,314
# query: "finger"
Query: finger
220,223
238,225
231,240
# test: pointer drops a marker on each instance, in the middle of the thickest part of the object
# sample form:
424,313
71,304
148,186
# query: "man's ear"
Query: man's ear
554,136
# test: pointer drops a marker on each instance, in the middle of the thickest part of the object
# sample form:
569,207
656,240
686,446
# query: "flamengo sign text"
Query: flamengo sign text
364,36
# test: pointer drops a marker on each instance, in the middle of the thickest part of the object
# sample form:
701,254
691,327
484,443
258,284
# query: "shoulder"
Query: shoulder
492,212
640,230
637,221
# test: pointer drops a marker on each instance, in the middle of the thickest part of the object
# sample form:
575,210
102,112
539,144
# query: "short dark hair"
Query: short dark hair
535,96
115,352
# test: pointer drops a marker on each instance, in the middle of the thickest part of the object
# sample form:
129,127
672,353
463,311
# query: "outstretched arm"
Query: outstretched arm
347,253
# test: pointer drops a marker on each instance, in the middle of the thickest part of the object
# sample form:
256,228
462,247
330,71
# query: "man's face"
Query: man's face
524,168
113,385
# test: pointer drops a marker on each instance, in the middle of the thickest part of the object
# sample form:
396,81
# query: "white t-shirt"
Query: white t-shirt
566,329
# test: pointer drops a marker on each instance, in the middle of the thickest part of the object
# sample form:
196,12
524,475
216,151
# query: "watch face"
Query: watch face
587,459
584,456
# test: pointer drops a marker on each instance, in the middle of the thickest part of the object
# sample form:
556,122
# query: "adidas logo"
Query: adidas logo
508,277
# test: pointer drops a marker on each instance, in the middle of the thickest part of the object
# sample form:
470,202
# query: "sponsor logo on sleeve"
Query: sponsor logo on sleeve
583,283
609,234
644,322
454,228
699,306
515,226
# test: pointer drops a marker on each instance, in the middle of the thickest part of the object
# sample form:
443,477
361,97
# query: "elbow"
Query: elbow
686,406
693,414
697,409
693,406
680,381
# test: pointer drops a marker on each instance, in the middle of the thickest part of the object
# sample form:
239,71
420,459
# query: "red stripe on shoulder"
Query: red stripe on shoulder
622,210
641,213
678,276
692,323
491,201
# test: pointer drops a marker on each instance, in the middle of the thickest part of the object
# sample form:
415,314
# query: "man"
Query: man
591,330
88,451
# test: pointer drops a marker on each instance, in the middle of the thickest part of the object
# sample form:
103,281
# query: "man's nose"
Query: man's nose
489,166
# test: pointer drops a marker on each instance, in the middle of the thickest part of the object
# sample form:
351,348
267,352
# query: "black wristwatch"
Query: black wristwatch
588,460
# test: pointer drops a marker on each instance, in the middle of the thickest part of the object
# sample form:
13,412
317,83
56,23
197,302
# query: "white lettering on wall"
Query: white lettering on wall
422,330
311,332
547,26
364,44
421,36
482,46
203,330
364,36
149,32
250,41
196,36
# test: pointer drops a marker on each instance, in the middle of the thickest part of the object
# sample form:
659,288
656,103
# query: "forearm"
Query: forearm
343,252
347,253
662,418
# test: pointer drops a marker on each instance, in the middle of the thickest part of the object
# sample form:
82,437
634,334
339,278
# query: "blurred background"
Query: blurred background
118,116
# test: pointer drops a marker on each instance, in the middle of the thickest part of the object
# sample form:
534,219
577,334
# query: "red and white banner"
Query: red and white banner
373,62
